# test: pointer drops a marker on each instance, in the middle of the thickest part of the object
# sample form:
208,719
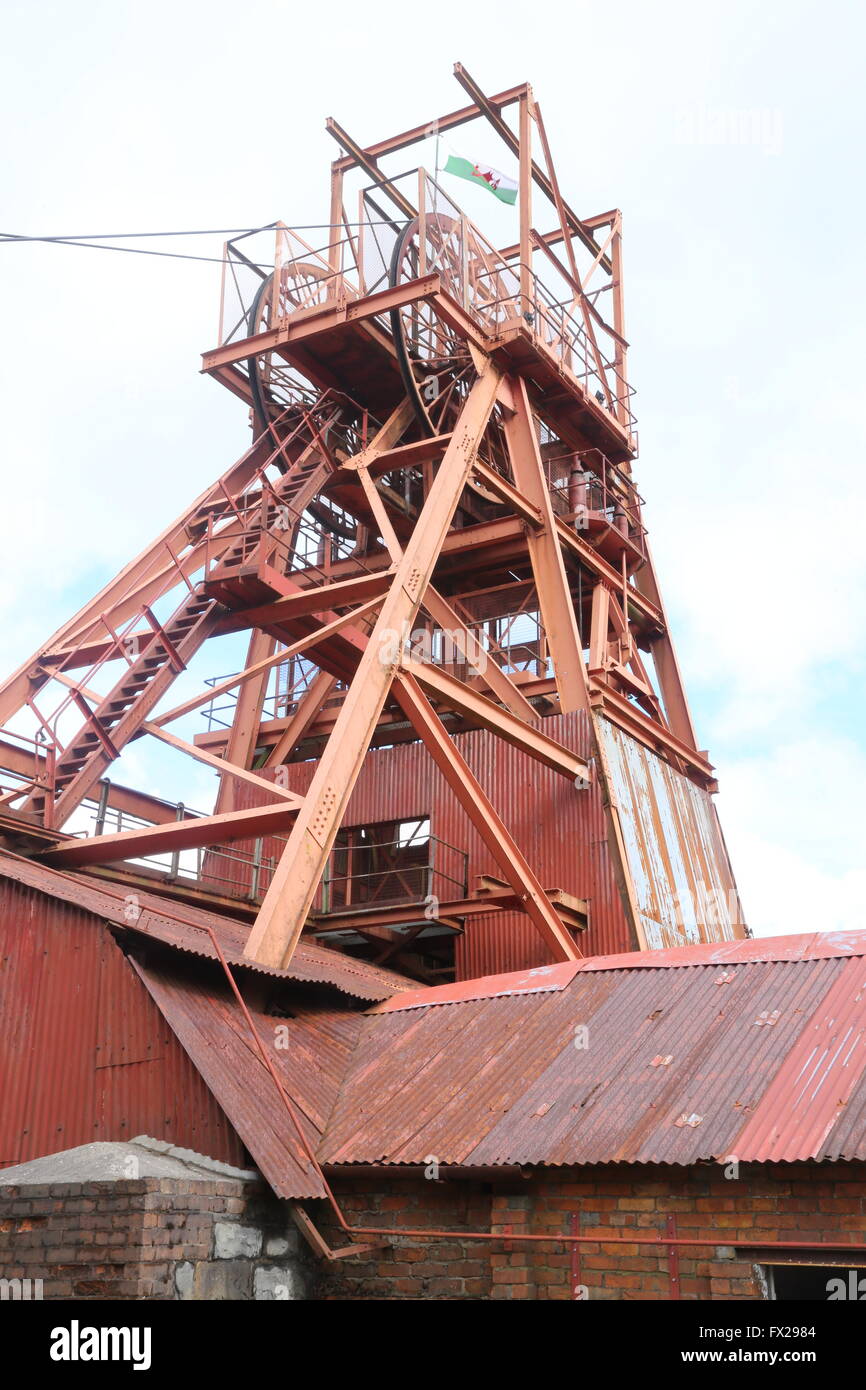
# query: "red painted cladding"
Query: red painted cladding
561,831
84,1052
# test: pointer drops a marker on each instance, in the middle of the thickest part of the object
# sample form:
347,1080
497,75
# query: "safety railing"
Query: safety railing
586,489
266,282
275,272
288,683
389,872
39,755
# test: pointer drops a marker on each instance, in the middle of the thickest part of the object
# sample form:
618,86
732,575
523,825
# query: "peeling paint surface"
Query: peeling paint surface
677,858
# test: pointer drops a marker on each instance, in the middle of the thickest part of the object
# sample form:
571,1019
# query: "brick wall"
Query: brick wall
153,1238
408,1269
802,1202
156,1238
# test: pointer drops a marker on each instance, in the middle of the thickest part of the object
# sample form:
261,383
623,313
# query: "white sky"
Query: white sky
732,137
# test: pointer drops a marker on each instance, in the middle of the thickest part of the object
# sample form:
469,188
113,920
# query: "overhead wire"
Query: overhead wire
93,240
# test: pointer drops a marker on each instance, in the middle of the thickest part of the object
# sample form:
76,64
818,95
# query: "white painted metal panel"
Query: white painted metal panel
677,858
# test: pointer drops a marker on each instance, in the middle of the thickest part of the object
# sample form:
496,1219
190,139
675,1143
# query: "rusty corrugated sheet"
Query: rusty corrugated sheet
677,859
181,925
802,946
754,1049
540,980
811,1090
84,1053
310,1056
674,1066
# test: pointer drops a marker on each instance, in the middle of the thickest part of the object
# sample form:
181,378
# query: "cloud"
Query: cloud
795,819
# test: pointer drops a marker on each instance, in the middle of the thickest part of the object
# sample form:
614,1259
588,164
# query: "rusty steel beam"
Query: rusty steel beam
309,707
481,813
224,766
487,903
545,553
450,121
377,506
489,109
527,737
386,438
249,707
321,634
483,662
184,834
506,492
468,546
402,455
296,878
667,666
321,599
370,167
321,319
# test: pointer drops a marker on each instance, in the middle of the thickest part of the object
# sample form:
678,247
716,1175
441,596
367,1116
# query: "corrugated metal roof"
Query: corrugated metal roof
179,925
310,1057
817,945
753,1049
805,946
761,1059
539,980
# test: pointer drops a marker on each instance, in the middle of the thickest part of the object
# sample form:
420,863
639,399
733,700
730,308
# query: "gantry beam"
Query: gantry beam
224,766
304,602
450,121
527,737
185,834
545,552
487,904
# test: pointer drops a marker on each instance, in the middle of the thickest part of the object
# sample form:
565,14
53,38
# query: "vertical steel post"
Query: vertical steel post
257,866
673,1258
574,1228
102,806
175,858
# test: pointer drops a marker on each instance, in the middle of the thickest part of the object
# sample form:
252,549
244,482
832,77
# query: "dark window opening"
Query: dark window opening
813,1283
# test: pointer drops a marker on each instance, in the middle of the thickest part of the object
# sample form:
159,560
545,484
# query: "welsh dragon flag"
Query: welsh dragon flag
503,188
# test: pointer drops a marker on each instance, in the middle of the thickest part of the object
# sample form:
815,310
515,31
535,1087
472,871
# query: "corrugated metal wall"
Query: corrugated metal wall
84,1052
679,865
560,830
